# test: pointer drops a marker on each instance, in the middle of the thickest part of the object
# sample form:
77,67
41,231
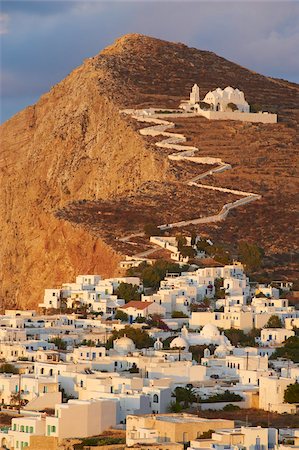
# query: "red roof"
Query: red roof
136,304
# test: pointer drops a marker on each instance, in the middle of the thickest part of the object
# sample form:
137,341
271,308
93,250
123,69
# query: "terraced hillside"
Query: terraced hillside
76,174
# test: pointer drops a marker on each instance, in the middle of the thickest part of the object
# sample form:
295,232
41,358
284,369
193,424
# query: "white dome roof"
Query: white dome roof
179,342
124,345
210,331
221,350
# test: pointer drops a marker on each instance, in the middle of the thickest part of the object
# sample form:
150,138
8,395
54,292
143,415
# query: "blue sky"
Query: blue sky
42,41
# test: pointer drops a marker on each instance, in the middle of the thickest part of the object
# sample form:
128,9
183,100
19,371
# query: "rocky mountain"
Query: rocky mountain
72,156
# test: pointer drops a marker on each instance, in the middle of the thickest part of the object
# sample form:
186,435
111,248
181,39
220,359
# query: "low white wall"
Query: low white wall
216,188
246,117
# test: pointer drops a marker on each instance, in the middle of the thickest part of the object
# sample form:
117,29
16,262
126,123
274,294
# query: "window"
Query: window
31,429
155,398
53,429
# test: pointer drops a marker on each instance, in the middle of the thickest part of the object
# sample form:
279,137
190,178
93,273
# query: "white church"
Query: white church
224,104
220,100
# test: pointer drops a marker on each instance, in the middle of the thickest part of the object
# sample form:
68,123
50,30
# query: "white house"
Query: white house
135,309
81,418
247,438
272,394
274,336
24,427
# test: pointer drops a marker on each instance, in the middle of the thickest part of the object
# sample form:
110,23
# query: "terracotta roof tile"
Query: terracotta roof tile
136,304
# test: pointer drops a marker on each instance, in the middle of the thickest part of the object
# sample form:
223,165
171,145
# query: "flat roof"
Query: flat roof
184,419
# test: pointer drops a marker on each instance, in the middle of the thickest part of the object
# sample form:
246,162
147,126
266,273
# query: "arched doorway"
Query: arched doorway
218,107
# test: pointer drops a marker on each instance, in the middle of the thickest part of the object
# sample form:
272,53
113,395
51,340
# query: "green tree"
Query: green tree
232,106
121,315
291,394
254,108
205,106
220,254
251,255
193,238
274,322
174,407
226,396
150,229
219,292
203,245
184,395
238,337
156,321
88,343
206,434
178,315
8,368
181,241
290,350
152,275
59,343
187,251
207,302
197,351
128,292
167,342
231,407
140,337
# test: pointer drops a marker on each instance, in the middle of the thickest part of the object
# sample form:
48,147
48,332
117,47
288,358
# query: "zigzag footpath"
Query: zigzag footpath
173,141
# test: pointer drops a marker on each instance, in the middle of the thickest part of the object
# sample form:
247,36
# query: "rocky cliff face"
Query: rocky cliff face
73,146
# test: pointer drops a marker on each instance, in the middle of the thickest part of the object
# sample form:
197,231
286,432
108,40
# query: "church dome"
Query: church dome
221,351
124,345
210,331
179,342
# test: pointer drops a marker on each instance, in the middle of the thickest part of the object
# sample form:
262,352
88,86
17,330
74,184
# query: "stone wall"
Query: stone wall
43,442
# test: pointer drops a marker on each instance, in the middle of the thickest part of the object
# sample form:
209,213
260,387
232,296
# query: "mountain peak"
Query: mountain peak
132,40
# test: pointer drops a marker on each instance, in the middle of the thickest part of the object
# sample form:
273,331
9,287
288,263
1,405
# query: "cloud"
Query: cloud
47,39
4,21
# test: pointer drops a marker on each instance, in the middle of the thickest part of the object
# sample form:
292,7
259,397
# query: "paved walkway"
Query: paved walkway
174,141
